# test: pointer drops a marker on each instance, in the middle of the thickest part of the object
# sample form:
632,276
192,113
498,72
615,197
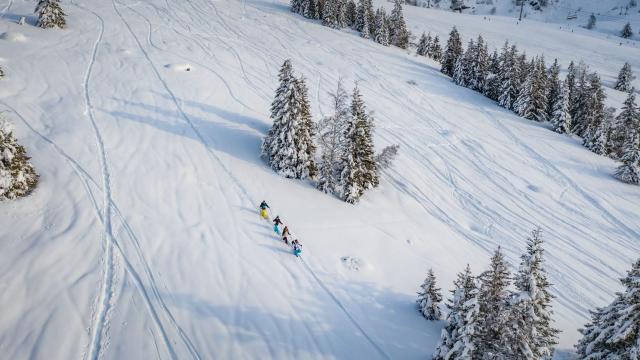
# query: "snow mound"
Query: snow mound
355,264
179,67
13,36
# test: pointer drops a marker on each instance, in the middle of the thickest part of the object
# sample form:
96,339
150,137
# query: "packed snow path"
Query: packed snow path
143,239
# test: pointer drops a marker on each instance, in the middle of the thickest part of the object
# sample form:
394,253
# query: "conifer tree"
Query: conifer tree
332,142
625,77
479,66
364,33
429,298
553,87
305,135
452,344
561,117
17,176
435,52
285,145
360,15
614,330
508,76
594,114
629,171
493,300
571,83
452,52
296,6
492,83
330,12
626,32
398,33
423,45
532,335
626,122
382,30
50,14
371,14
311,9
358,167
462,73
581,100
522,105
350,13
592,22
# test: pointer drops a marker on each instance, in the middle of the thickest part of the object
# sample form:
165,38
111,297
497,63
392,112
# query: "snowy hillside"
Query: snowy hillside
611,15
144,119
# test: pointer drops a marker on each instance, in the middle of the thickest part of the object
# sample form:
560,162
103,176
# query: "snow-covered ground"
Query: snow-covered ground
145,118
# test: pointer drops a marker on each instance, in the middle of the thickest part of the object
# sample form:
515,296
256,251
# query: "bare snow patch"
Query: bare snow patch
179,67
355,263
13,36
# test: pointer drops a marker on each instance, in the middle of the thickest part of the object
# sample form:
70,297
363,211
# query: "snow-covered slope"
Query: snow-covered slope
144,119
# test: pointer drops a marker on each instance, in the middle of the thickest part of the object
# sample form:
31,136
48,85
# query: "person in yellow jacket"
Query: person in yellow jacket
263,210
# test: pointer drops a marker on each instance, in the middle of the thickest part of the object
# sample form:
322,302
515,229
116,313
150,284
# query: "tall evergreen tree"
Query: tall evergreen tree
523,103
462,74
17,175
561,117
479,68
553,87
435,51
452,343
364,33
50,14
351,13
493,300
626,32
284,147
594,114
429,298
629,171
626,122
614,330
532,335
592,22
424,44
359,171
508,76
330,13
398,33
452,52
305,135
332,141
492,85
625,77
581,100
571,84
382,30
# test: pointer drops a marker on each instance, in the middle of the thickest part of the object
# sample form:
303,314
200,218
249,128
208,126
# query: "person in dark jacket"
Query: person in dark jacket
276,223
285,235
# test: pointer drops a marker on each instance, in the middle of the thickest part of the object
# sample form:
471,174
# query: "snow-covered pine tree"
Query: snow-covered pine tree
371,14
341,13
522,104
492,85
364,33
553,87
508,76
382,30
625,77
351,13
310,9
331,141
531,334
17,176
479,67
360,15
594,115
330,14
452,52
614,330
429,298
305,135
570,79
626,32
493,298
462,72
359,171
435,52
284,145
452,344
539,93
561,117
580,100
626,122
423,44
385,158
629,171
50,14
398,33
319,9
296,6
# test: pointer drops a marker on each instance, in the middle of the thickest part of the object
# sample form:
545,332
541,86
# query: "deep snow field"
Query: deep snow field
144,119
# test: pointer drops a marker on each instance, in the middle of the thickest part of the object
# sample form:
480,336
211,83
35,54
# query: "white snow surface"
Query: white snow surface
143,239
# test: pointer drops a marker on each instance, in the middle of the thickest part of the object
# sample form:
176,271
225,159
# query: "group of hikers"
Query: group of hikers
286,235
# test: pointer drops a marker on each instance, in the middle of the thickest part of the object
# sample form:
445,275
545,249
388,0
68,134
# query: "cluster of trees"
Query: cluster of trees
17,176
575,105
348,166
614,330
487,318
430,47
50,14
377,25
